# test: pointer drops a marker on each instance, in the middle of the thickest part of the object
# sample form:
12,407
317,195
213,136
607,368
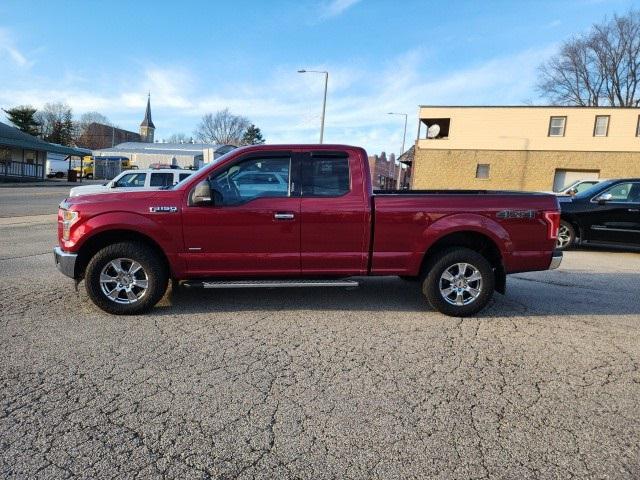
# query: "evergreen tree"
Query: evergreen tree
23,117
252,136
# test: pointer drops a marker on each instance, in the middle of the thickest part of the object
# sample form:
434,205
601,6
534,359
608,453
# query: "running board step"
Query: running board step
268,283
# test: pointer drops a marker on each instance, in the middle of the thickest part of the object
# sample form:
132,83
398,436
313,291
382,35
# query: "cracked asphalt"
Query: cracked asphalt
320,383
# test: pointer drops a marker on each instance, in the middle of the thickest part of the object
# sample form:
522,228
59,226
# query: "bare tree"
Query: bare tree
222,128
601,67
178,138
56,122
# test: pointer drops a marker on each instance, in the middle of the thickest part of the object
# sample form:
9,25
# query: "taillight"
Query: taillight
553,224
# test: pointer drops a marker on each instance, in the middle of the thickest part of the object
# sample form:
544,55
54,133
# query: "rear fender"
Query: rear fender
464,222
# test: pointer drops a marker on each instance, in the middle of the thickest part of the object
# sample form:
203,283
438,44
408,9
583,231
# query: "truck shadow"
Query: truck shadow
532,294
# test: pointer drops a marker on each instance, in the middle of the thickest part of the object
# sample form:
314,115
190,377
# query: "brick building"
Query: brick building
524,148
385,171
99,135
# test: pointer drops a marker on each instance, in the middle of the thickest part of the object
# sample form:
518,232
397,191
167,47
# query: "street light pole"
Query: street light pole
404,138
324,102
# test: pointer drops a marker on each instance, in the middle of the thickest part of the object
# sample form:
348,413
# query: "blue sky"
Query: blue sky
200,56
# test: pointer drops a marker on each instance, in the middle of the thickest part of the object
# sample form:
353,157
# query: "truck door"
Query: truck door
335,214
253,226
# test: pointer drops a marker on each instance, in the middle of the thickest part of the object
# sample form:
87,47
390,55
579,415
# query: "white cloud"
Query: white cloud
336,7
8,48
287,105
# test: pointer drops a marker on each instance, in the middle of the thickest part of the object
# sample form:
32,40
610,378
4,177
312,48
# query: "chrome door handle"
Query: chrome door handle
284,216
634,210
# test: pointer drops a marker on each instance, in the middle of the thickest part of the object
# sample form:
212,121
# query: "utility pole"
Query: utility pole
324,102
404,137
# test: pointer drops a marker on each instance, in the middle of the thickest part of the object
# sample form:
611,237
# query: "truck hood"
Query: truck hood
119,198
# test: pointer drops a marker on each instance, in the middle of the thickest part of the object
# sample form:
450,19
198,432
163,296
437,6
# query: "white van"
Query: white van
136,180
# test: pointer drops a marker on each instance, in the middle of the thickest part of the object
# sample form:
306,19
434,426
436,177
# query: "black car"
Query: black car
606,214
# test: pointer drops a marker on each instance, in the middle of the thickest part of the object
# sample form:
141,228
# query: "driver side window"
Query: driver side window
251,179
625,193
131,180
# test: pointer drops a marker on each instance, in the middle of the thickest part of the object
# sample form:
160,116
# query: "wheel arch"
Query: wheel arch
473,240
108,237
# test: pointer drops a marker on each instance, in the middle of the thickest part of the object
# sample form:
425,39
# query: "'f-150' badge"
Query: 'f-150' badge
163,209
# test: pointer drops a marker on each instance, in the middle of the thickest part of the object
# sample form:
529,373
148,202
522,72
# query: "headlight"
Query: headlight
69,217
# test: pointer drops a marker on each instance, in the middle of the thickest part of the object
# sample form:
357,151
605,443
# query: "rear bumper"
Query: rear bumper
556,260
65,261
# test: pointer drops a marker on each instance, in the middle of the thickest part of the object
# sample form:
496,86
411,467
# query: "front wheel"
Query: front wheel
126,278
566,235
459,283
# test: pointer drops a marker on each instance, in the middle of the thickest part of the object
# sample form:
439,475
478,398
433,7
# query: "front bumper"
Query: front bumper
556,260
65,261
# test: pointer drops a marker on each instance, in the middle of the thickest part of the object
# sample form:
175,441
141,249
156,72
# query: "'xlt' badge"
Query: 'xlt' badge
163,209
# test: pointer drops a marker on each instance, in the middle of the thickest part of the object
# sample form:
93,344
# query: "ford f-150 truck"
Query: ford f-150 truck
301,216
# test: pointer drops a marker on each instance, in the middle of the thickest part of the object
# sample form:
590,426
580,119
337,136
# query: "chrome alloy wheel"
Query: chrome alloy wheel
460,284
123,280
564,236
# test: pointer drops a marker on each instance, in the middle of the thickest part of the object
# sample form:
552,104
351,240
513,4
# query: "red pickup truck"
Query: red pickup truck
301,216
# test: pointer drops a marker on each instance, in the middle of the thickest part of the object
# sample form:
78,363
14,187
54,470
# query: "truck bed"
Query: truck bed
409,221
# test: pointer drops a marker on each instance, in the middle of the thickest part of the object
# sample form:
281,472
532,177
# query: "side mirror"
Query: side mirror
201,195
572,192
604,198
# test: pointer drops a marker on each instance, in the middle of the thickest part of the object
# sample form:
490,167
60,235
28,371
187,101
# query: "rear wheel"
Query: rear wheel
459,282
89,176
126,278
566,235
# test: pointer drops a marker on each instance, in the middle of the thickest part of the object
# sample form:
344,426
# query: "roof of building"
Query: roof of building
407,157
12,137
147,122
164,148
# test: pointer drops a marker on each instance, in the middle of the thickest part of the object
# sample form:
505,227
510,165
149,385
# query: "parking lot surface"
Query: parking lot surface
319,383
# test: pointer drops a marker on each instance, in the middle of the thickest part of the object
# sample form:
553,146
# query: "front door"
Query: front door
616,219
253,226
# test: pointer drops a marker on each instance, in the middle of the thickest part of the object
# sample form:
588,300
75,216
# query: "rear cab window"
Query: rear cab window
161,179
326,175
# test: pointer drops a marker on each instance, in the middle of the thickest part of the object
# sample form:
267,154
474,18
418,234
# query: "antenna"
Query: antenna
433,131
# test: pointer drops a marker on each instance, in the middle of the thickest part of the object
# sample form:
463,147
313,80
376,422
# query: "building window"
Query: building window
482,170
556,126
437,127
601,127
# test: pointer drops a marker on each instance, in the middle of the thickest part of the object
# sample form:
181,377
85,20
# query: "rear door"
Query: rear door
334,213
617,219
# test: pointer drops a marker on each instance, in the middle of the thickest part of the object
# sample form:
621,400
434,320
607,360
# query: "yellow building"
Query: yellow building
524,148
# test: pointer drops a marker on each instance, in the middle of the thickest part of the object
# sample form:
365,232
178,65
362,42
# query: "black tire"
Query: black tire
566,236
59,174
89,176
448,260
153,269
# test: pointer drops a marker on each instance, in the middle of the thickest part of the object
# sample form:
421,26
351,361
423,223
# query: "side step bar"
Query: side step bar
268,283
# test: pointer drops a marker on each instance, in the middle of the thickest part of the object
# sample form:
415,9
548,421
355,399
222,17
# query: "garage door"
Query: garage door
564,178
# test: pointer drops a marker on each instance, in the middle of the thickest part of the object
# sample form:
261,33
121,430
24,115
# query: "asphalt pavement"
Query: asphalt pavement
318,383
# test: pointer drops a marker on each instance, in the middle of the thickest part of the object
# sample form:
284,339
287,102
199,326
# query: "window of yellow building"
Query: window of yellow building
601,127
557,126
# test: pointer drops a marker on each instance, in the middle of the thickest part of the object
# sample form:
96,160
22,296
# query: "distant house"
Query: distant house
144,154
99,135
385,171
23,157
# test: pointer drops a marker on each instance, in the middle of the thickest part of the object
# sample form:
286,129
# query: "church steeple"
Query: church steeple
147,128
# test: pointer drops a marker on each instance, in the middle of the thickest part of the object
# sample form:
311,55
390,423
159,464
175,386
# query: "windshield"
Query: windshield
594,190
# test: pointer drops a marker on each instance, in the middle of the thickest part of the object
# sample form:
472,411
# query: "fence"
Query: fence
106,169
10,168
